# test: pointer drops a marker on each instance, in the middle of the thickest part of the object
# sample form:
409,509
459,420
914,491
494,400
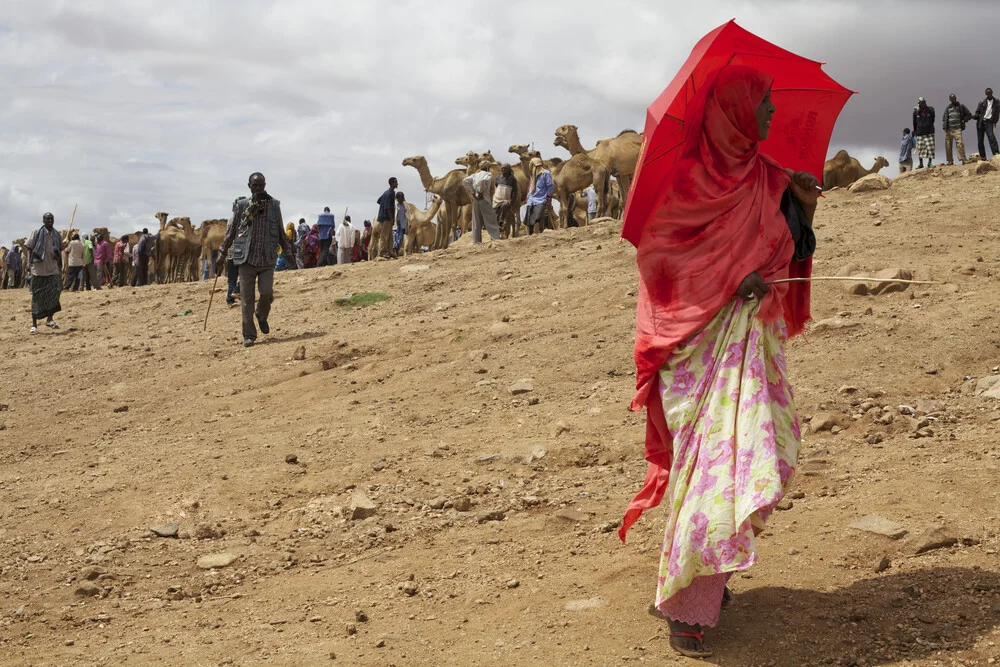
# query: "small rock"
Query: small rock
90,573
825,421
166,530
351,629
213,561
882,564
932,539
870,183
847,390
489,458
513,583
121,408
477,355
87,590
414,268
559,428
796,495
206,531
573,515
833,324
521,387
495,515
461,504
361,506
609,527
584,604
360,616
886,276
300,353
785,505
880,526
437,503
409,587
537,453
501,330
291,459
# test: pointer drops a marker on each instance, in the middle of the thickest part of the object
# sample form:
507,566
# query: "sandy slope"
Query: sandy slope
415,412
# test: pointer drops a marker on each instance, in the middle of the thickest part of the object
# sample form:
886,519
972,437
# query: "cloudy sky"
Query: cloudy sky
129,108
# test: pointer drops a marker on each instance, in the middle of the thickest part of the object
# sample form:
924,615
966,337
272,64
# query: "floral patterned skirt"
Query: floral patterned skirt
736,437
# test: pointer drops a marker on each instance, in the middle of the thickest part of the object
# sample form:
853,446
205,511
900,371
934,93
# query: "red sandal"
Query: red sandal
700,636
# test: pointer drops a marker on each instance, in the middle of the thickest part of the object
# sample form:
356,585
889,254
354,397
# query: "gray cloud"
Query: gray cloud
141,107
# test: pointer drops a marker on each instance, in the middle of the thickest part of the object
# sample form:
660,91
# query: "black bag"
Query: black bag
802,233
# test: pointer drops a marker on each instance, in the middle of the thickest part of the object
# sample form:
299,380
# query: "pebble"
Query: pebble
121,408
291,459
437,503
573,515
882,564
409,587
166,530
587,603
360,616
880,526
87,590
785,505
300,353
559,428
495,515
212,561
461,504
351,629
362,506
521,387
933,539
513,583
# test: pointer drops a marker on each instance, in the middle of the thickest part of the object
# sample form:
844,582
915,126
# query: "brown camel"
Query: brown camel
842,170
450,189
420,225
173,248
619,154
212,233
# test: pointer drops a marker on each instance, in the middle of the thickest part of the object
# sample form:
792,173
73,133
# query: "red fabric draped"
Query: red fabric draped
717,220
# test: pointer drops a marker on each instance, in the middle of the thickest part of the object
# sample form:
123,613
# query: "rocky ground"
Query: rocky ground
437,478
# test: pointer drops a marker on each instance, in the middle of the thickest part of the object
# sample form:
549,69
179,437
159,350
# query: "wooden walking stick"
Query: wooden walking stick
71,218
210,297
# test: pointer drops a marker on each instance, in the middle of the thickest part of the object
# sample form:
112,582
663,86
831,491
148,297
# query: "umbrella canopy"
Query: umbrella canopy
807,100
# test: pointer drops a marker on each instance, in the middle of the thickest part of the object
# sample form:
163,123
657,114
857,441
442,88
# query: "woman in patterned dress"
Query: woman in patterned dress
722,435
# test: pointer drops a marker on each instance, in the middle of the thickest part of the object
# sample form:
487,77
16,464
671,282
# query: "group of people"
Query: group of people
322,244
956,116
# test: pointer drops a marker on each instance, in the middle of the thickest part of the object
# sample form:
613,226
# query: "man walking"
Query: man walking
326,223
386,216
987,114
401,219
46,253
88,262
955,118
591,202
102,258
923,129
505,199
254,233
12,278
539,197
75,254
345,241
480,187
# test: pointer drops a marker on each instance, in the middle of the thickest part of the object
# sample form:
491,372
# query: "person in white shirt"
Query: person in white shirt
591,202
987,114
480,187
345,241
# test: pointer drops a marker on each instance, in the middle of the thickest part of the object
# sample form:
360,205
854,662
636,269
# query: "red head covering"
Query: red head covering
718,220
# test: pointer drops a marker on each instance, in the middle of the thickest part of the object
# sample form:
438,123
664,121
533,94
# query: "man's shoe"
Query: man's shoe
262,323
248,342
230,301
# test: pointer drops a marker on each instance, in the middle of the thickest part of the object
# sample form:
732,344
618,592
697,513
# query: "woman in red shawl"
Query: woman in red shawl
311,248
722,435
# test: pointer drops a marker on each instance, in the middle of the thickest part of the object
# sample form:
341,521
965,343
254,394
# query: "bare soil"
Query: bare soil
492,540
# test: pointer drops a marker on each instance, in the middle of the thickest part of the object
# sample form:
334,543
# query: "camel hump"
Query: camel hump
627,132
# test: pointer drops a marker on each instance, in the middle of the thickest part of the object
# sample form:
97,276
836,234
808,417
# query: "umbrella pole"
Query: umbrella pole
210,297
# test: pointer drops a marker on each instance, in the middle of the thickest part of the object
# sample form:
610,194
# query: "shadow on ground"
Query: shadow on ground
908,615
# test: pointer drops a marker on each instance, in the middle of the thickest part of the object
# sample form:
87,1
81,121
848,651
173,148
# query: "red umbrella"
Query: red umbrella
808,102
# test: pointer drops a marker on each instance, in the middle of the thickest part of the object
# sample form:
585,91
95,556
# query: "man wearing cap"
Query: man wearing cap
923,130
539,196
987,114
955,117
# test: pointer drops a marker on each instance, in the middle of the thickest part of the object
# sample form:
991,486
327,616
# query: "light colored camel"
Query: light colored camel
212,233
177,239
619,154
420,224
450,189
842,170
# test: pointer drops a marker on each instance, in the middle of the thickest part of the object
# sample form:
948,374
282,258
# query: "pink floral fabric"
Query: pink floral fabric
736,440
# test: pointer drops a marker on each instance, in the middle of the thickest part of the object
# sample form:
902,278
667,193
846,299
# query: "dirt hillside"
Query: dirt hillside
388,499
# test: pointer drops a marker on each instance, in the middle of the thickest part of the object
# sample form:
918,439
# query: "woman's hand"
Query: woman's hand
752,287
804,186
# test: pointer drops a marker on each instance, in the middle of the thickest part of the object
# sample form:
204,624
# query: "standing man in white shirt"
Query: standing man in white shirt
591,202
345,241
987,114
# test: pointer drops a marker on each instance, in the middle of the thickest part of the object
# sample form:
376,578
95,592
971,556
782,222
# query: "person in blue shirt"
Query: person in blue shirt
906,151
326,224
539,196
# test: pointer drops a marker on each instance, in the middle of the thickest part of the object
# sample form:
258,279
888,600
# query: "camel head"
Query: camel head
518,149
416,161
470,158
162,217
563,134
880,163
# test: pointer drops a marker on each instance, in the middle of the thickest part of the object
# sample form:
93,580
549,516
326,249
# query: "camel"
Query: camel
619,155
420,225
177,239
451,190
212,233
842,170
